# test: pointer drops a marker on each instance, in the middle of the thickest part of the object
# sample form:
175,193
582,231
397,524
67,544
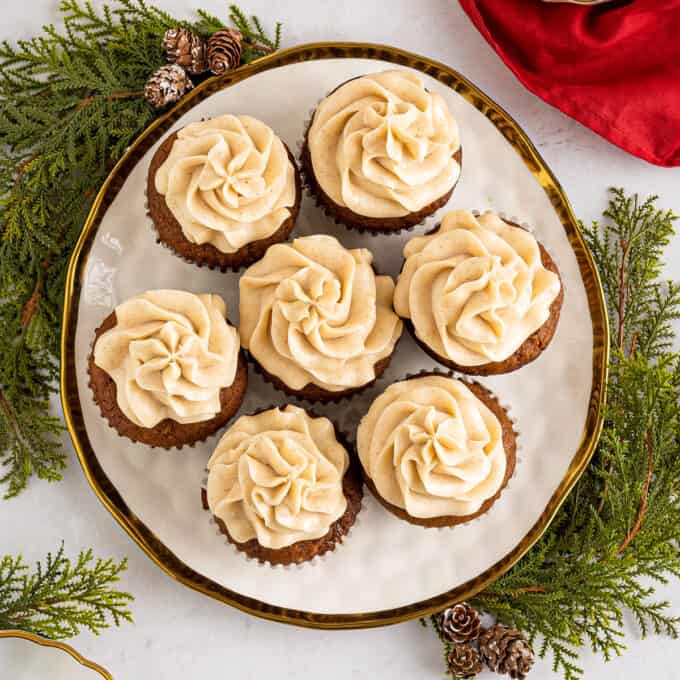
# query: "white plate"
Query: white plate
387,569
27,656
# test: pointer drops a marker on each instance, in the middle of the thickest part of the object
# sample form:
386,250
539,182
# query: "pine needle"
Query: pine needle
60,597
621,523
71,102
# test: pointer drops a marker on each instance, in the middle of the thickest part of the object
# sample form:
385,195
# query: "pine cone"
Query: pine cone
167,85
464,662
460,623
224,50
506,650
186,49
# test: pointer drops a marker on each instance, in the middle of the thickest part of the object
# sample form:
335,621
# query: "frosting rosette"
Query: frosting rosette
432,448
312,311
170,353
228,181
383,146
475,289
277,477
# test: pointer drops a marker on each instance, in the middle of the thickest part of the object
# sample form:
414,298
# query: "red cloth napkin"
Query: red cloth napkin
613,67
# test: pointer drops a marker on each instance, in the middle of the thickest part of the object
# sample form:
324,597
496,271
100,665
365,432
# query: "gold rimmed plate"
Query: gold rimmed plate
25,656
387,570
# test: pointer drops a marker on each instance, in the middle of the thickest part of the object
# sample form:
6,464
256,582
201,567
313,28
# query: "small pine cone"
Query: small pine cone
186,49
167,85
464,662
224,50
506,650
460,623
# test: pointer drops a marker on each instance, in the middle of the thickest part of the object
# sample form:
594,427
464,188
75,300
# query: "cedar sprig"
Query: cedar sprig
71,102
60,597
256,42
617,532
30,443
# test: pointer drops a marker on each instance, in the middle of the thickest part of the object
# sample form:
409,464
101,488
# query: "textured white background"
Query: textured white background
179,634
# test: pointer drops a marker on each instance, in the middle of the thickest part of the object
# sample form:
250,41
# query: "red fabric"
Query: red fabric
613,67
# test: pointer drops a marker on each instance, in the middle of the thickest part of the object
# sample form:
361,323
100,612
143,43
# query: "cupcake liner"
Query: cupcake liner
313,190
344,395
172,448
315,394
213,267
319,558
246,261
518,449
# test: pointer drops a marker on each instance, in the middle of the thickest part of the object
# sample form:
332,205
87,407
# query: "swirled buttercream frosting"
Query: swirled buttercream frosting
382,145
170,353
432,448
277,477
475,289
312,311
228,181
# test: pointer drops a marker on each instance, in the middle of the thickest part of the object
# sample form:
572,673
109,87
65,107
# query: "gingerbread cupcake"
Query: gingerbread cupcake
481,295
436,451
280,486
166,368
382,152
316,318
221,191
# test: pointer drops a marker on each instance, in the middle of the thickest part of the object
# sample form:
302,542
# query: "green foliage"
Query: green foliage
71,102
60,597
29,442
256,42
617,533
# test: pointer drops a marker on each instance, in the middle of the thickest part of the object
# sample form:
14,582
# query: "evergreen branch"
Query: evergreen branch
109,98
31,305
621,522
208,23
623,292
255,41
71,102
645,496
29,441
60,597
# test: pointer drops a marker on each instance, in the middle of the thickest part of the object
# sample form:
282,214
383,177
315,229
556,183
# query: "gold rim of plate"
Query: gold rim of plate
45,642
110,497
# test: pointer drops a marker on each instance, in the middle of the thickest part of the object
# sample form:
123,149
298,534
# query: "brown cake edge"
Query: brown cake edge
168,433
360,222
509,445
303,551
528,351
169,231
314,393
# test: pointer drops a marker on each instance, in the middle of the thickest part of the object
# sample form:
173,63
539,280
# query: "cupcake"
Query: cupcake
221,191
481,295
280,486
382,152
166,368
316,319
436,451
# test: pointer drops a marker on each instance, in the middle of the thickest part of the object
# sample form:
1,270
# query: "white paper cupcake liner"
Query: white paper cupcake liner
171,449
316,560
307,186
505,405
214,267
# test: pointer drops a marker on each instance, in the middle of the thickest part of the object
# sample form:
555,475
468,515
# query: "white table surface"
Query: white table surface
181,634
